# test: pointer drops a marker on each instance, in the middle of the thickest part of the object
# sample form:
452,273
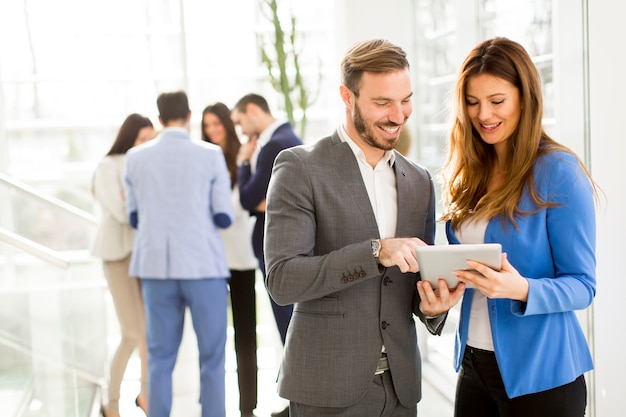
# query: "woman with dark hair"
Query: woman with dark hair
218,128
113,244
520,349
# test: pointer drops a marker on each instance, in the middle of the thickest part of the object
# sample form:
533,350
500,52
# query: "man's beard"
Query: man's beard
368,135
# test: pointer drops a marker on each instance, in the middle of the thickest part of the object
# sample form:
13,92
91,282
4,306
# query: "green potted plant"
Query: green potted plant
280,54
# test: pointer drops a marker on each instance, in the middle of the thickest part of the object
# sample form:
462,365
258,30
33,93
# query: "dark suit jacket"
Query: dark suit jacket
253,187
318,229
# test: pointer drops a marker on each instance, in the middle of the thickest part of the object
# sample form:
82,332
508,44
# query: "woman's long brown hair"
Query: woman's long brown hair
470,161
232,145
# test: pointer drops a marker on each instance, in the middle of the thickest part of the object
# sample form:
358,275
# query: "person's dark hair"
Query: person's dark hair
376,55
127,133
255,99
173,106
231,147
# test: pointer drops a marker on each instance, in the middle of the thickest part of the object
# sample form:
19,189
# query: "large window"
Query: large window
72,70
445,32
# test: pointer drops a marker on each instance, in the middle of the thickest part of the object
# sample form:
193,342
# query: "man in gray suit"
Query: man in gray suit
343,218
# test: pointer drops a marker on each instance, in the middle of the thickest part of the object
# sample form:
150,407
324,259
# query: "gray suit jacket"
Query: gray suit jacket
317,244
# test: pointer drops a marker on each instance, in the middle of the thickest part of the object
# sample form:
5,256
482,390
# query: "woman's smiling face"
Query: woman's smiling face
493,105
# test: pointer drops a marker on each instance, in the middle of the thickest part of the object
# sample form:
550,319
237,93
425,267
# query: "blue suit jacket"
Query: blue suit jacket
176,187
539,344
253,187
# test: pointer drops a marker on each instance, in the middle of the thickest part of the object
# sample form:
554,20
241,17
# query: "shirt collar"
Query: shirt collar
389,157
266,135
175,129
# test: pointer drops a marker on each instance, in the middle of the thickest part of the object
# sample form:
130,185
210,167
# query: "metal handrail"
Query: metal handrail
34,248
55,202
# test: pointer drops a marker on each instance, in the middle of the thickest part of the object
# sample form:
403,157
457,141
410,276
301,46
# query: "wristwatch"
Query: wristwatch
376,248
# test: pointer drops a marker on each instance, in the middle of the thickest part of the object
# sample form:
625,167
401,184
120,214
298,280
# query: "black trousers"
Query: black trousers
480,393
243,305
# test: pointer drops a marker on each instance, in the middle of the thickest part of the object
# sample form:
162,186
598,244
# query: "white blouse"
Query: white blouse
479,332
237,238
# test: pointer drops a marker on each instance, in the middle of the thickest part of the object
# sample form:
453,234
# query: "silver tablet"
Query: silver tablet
441,260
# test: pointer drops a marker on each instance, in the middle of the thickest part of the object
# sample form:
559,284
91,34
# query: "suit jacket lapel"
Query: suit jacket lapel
404,191
351,186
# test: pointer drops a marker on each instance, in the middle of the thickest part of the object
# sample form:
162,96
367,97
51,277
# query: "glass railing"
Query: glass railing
52,307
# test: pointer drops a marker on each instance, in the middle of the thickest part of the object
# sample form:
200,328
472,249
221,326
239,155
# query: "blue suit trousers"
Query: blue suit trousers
165,303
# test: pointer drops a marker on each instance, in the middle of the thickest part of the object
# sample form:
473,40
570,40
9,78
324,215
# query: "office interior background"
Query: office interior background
72,70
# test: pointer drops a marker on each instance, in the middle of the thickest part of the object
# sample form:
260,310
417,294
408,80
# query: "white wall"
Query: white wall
608,160
358,20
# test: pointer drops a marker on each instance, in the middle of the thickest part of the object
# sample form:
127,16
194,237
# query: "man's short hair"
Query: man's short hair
376,55
255,99
173,106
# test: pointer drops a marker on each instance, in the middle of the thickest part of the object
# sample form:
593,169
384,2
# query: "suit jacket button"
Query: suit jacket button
384,325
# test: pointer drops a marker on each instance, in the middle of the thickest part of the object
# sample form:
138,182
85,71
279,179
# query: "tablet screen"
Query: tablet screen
439,261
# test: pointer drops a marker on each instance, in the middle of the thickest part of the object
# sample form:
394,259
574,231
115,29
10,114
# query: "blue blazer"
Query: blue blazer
253,187
539,343
178,188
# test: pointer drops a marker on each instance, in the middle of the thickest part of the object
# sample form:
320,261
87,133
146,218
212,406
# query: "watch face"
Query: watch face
375,247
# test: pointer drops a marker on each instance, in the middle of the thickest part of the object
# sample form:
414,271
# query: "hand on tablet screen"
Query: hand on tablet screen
505,283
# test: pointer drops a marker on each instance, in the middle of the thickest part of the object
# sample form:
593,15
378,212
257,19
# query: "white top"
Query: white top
479,332
238,238
381,186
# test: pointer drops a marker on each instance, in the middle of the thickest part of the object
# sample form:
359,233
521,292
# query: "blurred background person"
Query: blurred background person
113,243
218,128
177,197
267,137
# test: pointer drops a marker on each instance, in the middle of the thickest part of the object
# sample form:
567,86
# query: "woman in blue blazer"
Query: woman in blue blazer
519,347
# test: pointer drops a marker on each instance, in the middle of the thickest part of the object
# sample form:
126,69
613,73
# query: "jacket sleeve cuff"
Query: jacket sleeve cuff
133,219
434,325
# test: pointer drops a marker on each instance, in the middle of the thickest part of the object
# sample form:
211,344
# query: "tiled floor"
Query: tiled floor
186,376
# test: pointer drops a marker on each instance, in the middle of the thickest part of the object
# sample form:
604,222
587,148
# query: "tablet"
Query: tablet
440,261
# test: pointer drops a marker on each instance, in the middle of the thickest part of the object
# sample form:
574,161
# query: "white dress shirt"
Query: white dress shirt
380,183
263,138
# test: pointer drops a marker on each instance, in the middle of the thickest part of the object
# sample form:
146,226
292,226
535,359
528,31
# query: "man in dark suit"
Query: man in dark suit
343,218
267,137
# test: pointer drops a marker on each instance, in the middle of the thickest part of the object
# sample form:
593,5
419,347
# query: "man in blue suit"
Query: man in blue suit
267,137
178,195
